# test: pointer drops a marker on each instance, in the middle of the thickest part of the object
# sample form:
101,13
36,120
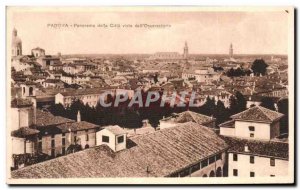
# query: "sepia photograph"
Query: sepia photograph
150,95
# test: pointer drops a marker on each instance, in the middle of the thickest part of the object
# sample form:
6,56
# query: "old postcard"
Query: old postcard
150,95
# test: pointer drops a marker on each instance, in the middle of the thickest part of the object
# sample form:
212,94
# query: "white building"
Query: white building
255,150
254,123
205,74
90,96
112,136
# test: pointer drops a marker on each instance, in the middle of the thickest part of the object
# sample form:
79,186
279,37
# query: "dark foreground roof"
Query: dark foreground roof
156,154
24,132
274,149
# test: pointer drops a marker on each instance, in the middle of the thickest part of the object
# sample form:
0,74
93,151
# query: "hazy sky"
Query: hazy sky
205,32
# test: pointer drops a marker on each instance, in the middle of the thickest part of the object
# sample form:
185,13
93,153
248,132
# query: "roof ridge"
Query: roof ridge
259,107
242,111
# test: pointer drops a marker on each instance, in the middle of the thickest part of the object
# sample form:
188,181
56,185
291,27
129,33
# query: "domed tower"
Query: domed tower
16,45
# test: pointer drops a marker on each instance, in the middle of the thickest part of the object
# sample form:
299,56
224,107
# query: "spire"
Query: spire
78,117
231,51
185,50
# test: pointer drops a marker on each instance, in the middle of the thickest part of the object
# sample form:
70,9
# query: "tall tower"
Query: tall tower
185,51
231,51
16,45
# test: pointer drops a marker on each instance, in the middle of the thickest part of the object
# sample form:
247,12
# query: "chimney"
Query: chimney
78,117
246,148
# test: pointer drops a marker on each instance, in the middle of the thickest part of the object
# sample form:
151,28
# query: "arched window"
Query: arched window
212,174
30,91
18,52
219,172
23,90
204,175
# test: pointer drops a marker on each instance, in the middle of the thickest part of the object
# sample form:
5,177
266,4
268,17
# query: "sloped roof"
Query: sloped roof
258,113
189,116
45,118
76,126
274,149
157,154
87,91
228,124
115,129
23,132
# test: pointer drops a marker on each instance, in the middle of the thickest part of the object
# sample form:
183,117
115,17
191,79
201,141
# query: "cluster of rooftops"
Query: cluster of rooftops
155,154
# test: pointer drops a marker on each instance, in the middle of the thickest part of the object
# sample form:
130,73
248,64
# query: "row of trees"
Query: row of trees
258,67
132,117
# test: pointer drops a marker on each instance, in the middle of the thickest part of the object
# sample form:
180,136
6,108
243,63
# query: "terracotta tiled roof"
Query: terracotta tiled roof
156,154
258,113
76,126
86,91
45,118
115,129
228,124
23,132
188,116
273,149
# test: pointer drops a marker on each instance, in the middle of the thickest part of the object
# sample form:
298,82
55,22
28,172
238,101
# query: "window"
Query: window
52,143
211,160
272,175
204,163
63,150
252,159
235,157
251,134
40,146
52,152
120,139
196,167
235,172
52,136
251,128
63,142
47,62
272,161
105,139
184,173
252,174
86,135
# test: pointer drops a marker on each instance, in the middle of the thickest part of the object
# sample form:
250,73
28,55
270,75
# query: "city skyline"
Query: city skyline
247,33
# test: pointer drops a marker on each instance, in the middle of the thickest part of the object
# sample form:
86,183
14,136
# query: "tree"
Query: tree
220,113
237,103
259,67
268,103
208,107
58,109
